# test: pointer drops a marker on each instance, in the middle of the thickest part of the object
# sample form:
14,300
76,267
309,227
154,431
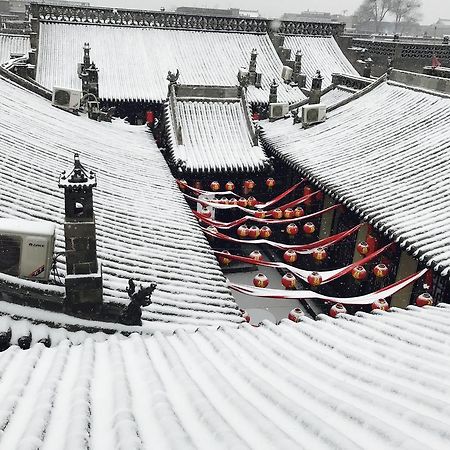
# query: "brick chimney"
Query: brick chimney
84,283
316,89
297,76
273,96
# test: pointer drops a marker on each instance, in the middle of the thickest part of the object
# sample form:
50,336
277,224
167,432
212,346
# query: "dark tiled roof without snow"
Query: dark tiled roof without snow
144,227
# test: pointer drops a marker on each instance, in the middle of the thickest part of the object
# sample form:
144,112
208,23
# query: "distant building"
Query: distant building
231,12
18,7
311,16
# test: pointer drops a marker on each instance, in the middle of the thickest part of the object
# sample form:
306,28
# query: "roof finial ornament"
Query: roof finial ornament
172,78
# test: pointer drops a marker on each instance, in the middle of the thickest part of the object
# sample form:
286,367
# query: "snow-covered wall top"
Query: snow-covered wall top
13,44
319,53
371,381
216,138
134,62
144,227
385,155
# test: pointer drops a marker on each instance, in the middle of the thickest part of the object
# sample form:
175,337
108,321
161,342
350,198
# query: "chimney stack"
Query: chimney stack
297,76
273,97
316,89
84,282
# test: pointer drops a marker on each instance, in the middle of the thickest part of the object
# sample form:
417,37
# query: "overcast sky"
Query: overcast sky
432,10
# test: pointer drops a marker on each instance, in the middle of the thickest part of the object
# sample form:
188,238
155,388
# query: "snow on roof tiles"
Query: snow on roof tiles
216,137
336,95
144,227
386,155
13,44
368,381
320,53
133,62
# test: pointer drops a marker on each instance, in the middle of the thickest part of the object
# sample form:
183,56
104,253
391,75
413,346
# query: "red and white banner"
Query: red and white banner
258,205
242,220
367,299
327,275
304,249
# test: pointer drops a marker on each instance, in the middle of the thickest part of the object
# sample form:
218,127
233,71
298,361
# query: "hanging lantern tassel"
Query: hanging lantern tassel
260,281
296,315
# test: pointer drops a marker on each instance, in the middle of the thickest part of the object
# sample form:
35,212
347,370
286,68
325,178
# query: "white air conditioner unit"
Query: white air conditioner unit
26,248
286,73
68,99
312,114
277,110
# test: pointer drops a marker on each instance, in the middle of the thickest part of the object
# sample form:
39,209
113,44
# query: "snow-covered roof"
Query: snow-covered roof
376,381
320,53
12,43
216,137
336,95
144,227
133,62
386,156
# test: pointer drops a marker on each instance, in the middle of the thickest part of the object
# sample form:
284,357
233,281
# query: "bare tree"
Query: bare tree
374,10
405,11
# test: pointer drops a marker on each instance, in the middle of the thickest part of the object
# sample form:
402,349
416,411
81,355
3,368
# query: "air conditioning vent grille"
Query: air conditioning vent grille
62,98
312,115
10,255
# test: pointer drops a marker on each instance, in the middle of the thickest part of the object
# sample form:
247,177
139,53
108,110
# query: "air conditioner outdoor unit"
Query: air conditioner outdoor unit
277,110
26,248
312,114
68,99
286,73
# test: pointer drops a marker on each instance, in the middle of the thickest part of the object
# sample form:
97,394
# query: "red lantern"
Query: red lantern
299,212
245,315
277,213
259,214
233,201
424,299
223,201
337,309
315,279
242,202
206,212
292,229
249,184
253,232
261,281
363,248
229,186
307,190
289,213
265,232
197,184
309,228
256,255
319,254
359,273
243,231
182,184
380,270
270,183
289,281
215,186
381,304
290,256
295,315
256,116
150,117
251,201
223,259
